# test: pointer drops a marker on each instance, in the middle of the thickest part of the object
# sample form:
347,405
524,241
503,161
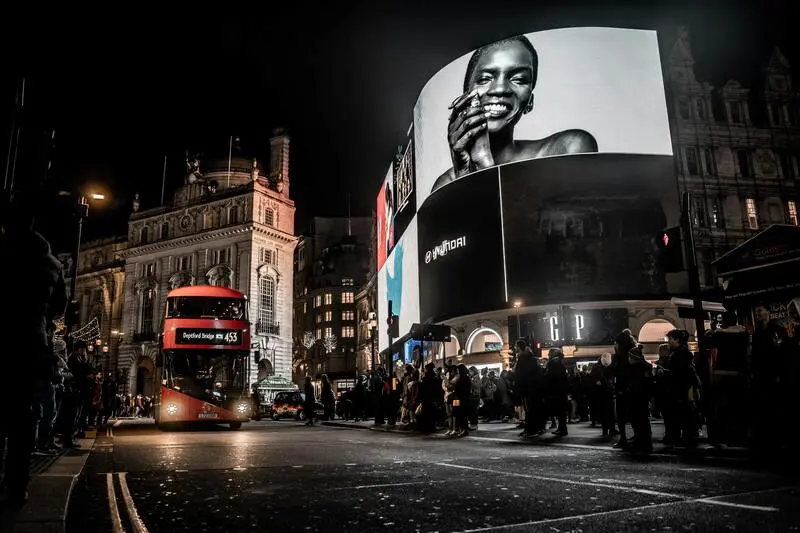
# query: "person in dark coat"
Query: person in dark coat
640,389
310,403
557,387
624,343
528,381
27,353
683,386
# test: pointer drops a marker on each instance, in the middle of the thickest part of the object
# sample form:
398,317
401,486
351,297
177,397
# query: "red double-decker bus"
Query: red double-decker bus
203,363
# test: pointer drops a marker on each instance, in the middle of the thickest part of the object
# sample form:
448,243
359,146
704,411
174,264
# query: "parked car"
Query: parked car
291,404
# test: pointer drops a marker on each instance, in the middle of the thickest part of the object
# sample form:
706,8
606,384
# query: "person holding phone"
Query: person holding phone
498,91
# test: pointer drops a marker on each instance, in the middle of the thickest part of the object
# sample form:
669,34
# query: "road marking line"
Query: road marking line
738,505
385,485
714,500
136,522
647,492
589,447
116,520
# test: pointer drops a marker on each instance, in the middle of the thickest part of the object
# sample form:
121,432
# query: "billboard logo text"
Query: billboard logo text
441,250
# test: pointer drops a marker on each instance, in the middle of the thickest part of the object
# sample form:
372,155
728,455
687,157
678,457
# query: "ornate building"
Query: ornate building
99,289
332,263
736,151
231,224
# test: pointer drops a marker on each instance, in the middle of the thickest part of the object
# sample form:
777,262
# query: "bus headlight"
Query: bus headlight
243,408
172,409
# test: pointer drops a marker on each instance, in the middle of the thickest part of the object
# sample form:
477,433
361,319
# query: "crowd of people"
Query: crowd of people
706,392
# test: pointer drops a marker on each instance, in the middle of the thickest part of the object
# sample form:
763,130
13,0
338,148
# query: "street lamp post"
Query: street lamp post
82,212
517,305
373,329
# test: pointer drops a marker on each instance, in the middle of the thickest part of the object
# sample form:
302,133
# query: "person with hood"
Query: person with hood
27,355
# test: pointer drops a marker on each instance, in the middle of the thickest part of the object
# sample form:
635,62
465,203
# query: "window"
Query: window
347,297
318,301
233,215
699,210
348,315
717,222
774,111
791,208
684,111
692,163
149,269
269,217
328,299
710,161
348,332
265,255
146,317
736,112
144,236
347,282
185,262
752,213
319,333
319,318
165,230
743,158
266,301
220,256
787,164
328,332
328,316
700,109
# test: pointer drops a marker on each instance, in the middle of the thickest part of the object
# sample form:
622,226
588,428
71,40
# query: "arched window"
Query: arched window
266,301
165,230
269,217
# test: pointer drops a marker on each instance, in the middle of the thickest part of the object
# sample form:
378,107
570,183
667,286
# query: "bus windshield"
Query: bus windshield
206,307
209,375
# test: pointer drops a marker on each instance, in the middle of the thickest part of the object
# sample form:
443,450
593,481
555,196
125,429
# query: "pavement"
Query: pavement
284,476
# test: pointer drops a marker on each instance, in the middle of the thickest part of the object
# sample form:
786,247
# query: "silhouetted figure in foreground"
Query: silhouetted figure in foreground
27,354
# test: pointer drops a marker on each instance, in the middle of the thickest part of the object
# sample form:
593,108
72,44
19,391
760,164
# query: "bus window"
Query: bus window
206,307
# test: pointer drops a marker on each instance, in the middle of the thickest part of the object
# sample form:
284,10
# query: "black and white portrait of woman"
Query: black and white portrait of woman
560,93
498,91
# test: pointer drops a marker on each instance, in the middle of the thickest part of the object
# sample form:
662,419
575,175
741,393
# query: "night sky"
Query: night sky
123,90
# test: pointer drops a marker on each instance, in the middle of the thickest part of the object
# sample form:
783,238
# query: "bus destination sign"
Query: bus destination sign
224,337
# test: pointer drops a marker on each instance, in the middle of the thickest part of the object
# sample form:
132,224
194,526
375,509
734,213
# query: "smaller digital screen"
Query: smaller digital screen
208,336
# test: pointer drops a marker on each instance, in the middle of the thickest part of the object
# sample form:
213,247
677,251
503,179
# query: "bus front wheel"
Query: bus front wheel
236,425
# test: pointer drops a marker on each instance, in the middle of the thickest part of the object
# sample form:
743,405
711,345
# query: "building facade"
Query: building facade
99,289
231,224
332,264
736,151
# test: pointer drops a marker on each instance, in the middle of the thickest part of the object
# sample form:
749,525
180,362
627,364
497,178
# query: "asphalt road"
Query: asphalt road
282,476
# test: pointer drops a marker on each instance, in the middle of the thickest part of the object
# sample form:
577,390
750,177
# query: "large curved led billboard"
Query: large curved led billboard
543,173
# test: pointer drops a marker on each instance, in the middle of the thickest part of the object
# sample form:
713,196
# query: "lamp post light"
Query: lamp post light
517,305
82,212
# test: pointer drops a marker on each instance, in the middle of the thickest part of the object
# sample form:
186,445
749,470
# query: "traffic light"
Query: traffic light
670,250
394,326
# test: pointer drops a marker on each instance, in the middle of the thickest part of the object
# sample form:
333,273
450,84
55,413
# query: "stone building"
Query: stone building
332,264
231,224
99,289
736,151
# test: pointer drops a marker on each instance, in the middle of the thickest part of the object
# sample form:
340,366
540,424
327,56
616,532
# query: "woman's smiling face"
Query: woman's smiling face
503,77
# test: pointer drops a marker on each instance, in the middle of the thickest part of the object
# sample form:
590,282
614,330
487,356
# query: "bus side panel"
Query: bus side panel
178,407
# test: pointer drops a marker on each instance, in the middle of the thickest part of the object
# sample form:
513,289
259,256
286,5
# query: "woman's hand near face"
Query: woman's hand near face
468,125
